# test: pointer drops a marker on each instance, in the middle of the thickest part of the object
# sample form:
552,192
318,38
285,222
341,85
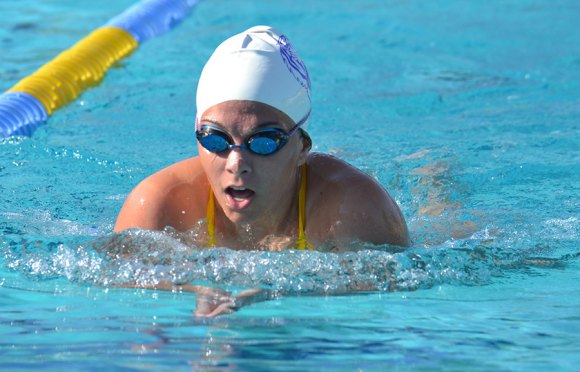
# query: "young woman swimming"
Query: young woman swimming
255,183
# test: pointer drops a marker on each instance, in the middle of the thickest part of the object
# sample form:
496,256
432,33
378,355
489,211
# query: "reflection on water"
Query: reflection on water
437,195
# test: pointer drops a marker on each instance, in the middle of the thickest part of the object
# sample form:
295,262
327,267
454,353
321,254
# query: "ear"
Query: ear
306,142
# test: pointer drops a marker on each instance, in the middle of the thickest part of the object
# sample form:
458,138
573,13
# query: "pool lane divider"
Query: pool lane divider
30,102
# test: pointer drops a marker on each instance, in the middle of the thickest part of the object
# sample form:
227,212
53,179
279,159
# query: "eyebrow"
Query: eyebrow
259,126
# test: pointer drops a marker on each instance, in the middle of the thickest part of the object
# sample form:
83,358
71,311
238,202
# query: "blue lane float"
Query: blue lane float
33,99
20,114
149,19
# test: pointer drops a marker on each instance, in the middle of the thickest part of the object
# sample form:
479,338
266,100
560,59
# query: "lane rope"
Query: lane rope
30,102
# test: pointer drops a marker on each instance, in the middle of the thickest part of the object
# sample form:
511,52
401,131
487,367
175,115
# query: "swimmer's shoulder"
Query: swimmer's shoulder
173,196
331,177
346,203
331,169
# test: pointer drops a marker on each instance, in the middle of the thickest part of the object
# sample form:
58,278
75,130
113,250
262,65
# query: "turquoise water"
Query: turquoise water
467,112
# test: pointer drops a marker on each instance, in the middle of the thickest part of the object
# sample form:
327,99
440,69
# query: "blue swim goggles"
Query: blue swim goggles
263,142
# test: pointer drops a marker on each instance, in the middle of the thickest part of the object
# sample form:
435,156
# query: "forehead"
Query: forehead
232,114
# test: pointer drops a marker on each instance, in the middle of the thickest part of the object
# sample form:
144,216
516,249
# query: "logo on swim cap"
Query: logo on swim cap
294,63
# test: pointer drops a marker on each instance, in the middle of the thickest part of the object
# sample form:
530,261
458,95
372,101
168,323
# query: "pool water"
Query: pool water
467,112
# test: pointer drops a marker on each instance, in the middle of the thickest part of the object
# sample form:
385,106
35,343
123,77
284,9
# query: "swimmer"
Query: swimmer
255,182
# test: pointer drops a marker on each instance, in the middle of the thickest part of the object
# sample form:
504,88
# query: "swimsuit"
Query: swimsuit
301,244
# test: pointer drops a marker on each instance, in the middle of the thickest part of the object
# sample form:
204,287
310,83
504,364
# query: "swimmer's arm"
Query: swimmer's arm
214,301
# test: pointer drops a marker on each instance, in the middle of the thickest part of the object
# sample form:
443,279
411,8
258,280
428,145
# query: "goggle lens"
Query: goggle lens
265,142
264,145
213,142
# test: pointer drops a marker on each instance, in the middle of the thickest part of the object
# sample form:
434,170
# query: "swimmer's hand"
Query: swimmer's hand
212,302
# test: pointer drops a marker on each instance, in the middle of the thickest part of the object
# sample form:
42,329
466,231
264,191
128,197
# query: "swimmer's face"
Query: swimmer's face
250,187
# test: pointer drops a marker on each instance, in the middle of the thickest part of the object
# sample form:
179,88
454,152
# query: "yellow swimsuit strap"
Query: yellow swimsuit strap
211,241
302,242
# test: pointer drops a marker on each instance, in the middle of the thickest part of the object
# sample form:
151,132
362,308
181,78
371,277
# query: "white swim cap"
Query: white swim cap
259,65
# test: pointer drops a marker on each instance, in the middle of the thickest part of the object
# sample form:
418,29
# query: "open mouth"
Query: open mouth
239,197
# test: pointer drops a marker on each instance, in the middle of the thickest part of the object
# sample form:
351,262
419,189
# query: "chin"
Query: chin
240,218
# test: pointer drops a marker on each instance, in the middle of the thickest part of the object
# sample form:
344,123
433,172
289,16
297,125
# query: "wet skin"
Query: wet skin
257,196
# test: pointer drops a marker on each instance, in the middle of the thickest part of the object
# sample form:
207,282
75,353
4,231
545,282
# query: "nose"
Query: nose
237,162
